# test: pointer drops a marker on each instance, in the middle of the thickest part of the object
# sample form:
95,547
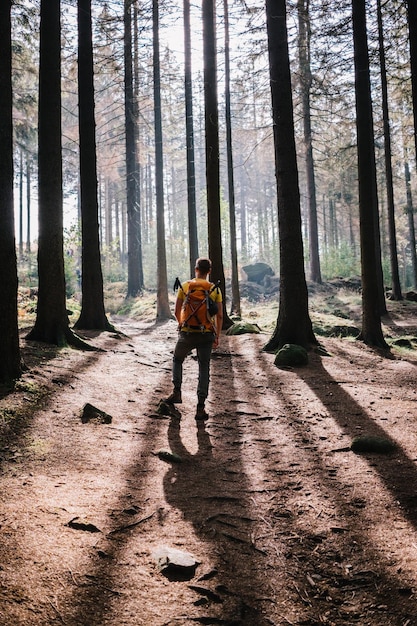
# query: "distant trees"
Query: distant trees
10,364
192,179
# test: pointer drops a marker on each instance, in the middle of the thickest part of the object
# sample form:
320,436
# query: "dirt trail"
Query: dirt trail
288,525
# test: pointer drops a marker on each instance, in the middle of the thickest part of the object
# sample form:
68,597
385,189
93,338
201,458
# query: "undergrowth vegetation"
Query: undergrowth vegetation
335,311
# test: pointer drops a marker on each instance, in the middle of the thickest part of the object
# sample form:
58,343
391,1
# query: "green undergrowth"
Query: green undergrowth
334,311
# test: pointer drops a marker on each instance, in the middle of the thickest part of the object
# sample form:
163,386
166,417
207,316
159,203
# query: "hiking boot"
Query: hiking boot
174,398
201,414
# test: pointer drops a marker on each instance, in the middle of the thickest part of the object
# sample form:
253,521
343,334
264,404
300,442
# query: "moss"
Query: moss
240,328
291,355
372,443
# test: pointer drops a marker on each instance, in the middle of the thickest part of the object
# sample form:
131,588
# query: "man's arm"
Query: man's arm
178,307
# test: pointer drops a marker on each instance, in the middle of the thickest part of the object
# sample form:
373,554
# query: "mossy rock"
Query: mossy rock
240,328
291,355
372,443
344,331
402,342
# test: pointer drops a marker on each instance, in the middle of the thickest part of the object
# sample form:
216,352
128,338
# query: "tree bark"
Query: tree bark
211,117
368,207
92,314
293,322
10,362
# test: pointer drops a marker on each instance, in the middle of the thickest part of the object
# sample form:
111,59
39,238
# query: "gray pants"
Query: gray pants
203,343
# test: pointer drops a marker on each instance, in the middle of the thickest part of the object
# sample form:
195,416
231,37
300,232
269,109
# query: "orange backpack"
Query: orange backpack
198,308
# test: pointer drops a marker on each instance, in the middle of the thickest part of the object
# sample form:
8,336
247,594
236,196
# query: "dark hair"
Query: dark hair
204,265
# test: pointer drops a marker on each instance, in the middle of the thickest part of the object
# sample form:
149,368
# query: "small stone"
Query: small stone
175,563
78,524
165,408
91,413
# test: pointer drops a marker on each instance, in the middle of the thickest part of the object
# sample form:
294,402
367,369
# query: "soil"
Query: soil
288,525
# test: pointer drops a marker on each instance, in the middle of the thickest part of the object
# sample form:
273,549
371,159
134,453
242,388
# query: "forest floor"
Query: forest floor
287,524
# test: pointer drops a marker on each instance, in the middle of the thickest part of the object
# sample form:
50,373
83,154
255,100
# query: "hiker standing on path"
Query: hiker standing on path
199,312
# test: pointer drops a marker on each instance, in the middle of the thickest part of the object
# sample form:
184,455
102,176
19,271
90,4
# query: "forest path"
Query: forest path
288,525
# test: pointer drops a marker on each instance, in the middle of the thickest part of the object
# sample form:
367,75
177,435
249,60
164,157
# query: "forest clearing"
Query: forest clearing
287,525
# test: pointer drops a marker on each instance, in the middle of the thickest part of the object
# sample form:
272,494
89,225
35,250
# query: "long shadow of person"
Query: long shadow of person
185,481
203,490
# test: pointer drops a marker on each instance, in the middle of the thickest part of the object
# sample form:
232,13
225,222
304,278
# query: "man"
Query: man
198,329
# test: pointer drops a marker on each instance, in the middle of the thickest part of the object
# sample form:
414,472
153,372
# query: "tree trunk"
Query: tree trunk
109,214
51,323
243,218
371,311
211,116
163,311
134,268
395,275
305,79
410,219
10,364
189,129
28,208
293,322
92,314
21,203
412,28
235,304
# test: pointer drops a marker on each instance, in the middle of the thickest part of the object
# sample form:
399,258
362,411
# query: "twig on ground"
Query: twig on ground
122,529
57,611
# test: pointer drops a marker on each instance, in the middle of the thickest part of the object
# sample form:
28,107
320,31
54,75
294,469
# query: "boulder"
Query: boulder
256,272
291,355
240,328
